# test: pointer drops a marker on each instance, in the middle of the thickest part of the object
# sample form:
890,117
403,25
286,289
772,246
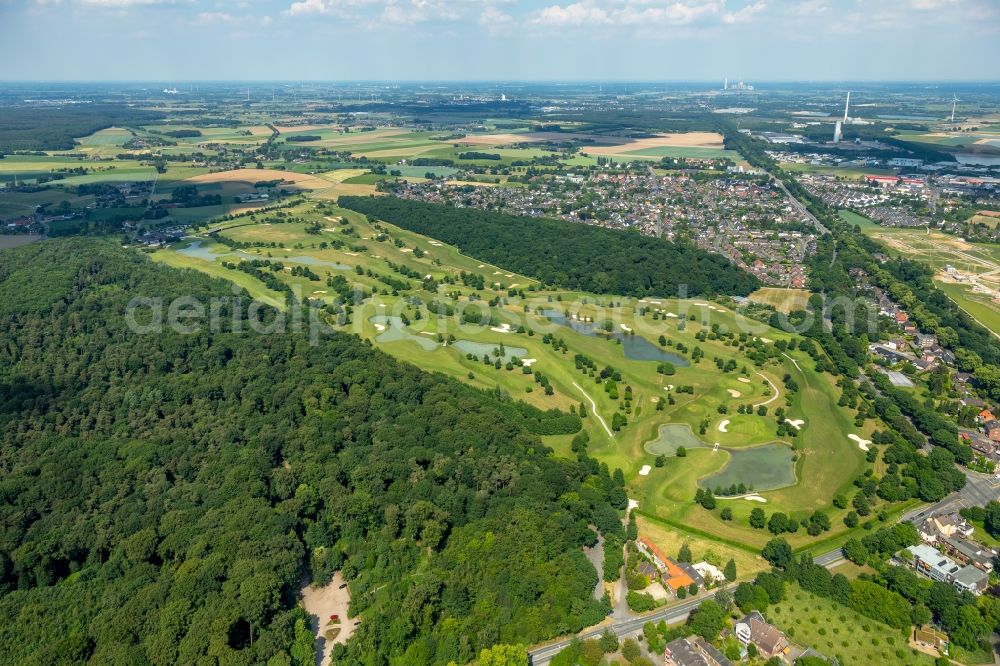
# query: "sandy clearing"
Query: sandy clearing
321,603
745,380
645,470
724,425
862,443
795,423
733,393
254,175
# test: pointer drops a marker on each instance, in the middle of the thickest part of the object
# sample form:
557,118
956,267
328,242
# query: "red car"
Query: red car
334,618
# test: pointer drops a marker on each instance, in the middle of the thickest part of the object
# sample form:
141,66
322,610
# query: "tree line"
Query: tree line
566,254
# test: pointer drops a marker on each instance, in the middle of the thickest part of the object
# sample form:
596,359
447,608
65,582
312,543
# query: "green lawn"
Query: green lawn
837,631
853,218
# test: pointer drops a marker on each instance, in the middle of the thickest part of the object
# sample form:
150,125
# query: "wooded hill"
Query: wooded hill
161,496
566,254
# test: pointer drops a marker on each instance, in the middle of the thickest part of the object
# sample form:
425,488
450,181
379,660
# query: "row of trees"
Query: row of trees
565,254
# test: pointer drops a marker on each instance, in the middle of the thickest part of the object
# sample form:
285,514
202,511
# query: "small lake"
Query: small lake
978,160
671,436
395,331
199,251
479,349
764,467
636,347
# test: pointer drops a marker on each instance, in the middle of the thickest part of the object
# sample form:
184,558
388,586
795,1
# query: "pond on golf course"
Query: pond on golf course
199,251
636,347
671,436
393,329
480,349
761,467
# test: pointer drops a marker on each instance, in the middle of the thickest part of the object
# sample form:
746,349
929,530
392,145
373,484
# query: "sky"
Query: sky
503,40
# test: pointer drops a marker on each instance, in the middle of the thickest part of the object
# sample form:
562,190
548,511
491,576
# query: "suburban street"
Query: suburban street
980,489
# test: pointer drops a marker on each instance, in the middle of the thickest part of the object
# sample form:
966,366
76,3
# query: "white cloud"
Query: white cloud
312,7
809,8
745,14
116,4
646,13
928,5
494,18
577,14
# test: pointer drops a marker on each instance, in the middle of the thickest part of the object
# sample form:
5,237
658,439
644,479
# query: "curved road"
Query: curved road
542,655
978,490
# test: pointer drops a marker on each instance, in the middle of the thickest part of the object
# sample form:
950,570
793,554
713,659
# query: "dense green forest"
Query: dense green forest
566,254
163,497
54,129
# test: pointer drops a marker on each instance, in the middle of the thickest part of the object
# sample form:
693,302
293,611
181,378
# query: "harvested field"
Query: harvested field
302,180
684,140
286,129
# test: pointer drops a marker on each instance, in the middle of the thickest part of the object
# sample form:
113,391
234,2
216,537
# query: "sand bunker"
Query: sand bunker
755,498
733,393
528,361
862,443
502,328
797,423
379,327
724,425
625,328
745,380
670,314
645,470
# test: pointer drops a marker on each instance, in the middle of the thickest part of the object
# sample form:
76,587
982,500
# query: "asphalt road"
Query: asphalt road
800,207
978,490
632,626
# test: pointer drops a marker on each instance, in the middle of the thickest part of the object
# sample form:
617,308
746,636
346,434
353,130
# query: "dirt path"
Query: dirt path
593,409
773,388
321,603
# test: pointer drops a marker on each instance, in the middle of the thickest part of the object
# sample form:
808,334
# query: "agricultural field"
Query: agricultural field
781,299
549,348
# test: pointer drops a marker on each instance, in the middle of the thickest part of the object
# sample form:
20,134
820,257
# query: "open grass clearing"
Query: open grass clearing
838,631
